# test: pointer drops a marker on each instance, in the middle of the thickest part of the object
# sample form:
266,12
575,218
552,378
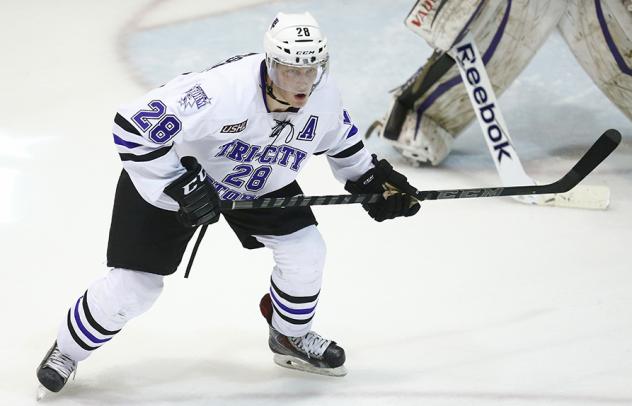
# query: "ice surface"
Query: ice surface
476,302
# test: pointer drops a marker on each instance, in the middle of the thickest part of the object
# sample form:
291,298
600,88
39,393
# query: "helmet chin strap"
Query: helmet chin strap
270,92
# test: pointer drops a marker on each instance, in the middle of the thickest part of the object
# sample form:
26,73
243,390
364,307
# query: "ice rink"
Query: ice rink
471,302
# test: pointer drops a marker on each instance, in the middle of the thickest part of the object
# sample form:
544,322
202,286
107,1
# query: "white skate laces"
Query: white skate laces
312,344
61,363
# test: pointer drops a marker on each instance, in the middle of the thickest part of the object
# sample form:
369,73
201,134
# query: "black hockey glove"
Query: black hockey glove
397,194
196,195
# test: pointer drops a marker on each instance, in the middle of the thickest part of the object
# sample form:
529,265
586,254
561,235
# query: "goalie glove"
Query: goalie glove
196,195
397,194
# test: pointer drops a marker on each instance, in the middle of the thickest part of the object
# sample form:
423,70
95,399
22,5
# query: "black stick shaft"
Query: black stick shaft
608,141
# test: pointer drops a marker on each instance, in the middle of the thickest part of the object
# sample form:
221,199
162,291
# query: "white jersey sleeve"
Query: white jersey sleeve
346,154
147,130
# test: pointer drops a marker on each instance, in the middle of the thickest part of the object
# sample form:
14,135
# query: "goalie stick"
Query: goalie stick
606,143
495,131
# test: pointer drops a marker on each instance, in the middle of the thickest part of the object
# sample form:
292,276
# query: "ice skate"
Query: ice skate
54,371
309,353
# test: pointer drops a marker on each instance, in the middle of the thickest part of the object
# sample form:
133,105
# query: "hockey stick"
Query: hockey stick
591,159
495,131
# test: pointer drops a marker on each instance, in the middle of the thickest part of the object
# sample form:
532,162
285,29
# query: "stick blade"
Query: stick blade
599,151
614,136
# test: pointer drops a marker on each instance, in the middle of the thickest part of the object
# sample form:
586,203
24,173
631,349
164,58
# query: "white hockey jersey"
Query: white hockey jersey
220,116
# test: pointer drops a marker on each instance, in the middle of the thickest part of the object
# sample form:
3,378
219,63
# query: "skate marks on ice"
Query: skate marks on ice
189,382
502,350
415,396
485,326
165,381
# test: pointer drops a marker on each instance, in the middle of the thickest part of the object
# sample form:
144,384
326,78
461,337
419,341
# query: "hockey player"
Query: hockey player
242,129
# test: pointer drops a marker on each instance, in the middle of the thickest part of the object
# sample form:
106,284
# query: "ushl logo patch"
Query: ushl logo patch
234,128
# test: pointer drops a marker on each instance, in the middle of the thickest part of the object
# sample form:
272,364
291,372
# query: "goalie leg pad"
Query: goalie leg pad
508,35
599,33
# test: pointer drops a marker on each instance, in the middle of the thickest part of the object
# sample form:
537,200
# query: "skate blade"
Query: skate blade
42,393
290,362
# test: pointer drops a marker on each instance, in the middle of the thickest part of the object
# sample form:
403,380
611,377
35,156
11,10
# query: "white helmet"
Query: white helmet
296,41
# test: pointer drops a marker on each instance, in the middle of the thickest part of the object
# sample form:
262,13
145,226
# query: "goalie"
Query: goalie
431,108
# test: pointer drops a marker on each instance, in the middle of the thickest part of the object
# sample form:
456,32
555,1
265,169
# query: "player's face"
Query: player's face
295,82
296,79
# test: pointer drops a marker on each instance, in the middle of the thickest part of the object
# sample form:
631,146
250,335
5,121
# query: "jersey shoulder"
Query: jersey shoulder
235,83
217,90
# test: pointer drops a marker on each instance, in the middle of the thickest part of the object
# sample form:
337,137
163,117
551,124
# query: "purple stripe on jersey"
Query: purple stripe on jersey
444,87
613,47
345,117
290,310
353,131
84,330
120,141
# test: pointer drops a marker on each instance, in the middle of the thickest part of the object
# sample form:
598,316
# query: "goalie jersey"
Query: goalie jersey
220,116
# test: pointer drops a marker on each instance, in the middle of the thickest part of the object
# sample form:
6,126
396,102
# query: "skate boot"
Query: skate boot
309,353
54,371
